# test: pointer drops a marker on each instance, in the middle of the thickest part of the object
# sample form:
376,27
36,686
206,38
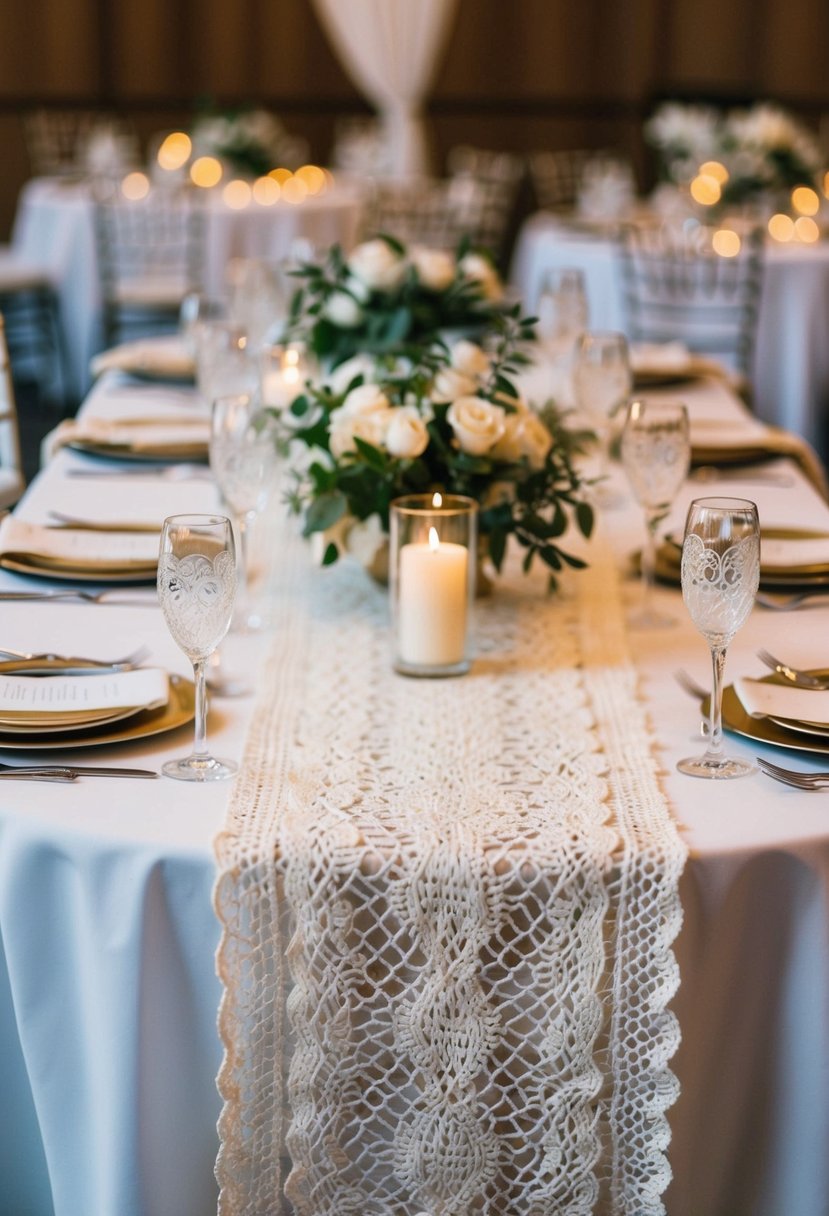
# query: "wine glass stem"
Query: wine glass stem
715,711
243,530
649,558
200,741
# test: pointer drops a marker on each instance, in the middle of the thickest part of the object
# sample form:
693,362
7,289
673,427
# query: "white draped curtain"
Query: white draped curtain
391,49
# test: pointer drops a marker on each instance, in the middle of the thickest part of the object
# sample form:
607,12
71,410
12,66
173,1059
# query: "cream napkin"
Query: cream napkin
793,553
762,700
79,548
659,357
163,356
138,435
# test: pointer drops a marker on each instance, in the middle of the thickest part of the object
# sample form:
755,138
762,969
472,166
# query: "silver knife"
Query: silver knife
81,771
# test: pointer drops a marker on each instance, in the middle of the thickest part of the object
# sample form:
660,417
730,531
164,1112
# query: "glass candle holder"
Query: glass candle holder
283,371
432,558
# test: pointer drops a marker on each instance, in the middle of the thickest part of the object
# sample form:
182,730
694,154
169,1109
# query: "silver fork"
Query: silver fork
88,597
802,679
797,780
787,602
135,659
689,684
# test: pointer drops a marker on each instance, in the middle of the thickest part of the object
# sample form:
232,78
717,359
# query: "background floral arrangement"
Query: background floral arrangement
383,295
435,417
763,148
252,142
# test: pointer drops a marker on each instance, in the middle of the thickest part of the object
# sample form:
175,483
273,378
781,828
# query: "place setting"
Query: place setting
83,550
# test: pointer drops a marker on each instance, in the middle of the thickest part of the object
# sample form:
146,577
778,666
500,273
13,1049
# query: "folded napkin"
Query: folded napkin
659,357
76,699
140,436
797,552
164,356
80,549
713,440
764,700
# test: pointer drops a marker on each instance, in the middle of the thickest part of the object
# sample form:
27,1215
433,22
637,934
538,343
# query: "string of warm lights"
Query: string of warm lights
706,190
208,172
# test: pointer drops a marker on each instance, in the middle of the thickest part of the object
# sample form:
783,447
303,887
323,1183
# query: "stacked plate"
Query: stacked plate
790,558
54,710
165,438
78,554
772,711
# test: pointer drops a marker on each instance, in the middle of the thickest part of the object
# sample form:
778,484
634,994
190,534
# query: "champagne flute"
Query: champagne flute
196,589
562,316
656,454
720,576
244,460
602,382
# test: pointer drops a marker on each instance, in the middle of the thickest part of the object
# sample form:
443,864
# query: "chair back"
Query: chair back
60,142
678,287
559,178
150,251
12,481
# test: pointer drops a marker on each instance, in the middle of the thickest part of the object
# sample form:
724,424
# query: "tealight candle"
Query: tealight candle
284,370
433,545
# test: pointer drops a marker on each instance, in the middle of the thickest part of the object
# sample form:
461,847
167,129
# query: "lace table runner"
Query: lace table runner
448,910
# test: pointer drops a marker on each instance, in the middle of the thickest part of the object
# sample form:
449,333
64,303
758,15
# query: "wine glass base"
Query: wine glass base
715,767
200,768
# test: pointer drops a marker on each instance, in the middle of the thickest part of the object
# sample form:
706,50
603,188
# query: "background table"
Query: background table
791,366
54,228
108,995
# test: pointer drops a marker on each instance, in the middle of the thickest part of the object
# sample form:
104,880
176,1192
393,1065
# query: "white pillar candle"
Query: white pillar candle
432,603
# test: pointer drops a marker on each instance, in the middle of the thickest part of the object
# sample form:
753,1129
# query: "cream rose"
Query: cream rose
364,399
480,271
434,268
343,310
406,436
535,439
469,358
346,426
377,265
450,384
341,377
508,448
477,424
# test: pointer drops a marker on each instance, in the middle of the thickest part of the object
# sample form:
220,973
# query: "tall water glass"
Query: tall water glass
224,360
720,576
244,460
656,454
562,317
196,589
602,383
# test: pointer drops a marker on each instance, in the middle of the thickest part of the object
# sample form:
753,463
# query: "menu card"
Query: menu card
147,687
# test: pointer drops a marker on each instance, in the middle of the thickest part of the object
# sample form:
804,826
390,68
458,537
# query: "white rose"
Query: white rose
406,436
477,424
536,440
468,357
482,272
358,289
451,383
434,268
377,265
346,426
341,377
364,399
343,310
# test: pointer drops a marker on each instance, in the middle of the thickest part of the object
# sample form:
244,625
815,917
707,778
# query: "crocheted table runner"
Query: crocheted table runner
448,909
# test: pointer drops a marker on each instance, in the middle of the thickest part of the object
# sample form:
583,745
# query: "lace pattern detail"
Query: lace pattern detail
196,595
719,587
448,910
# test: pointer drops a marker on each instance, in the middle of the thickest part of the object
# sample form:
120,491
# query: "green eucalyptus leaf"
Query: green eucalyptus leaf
324,512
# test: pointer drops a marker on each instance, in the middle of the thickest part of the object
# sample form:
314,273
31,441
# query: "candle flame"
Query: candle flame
437,499
434,540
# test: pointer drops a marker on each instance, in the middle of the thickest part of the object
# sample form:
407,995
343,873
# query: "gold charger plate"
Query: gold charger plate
32,725
180,709
815,575
116,451
22,564
766,730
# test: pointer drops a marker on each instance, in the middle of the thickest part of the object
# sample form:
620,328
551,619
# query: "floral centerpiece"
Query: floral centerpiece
251,142
763,150
383,295
428,417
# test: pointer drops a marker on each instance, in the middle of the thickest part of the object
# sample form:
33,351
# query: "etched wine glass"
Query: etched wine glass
602,382
196,589
720,576
656,454
244,460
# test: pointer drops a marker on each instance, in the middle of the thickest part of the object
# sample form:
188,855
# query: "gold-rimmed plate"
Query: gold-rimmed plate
180,709
122,451
22,563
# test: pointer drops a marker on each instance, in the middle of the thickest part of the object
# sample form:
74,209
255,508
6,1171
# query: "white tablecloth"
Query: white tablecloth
791,366
107,990
54,228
